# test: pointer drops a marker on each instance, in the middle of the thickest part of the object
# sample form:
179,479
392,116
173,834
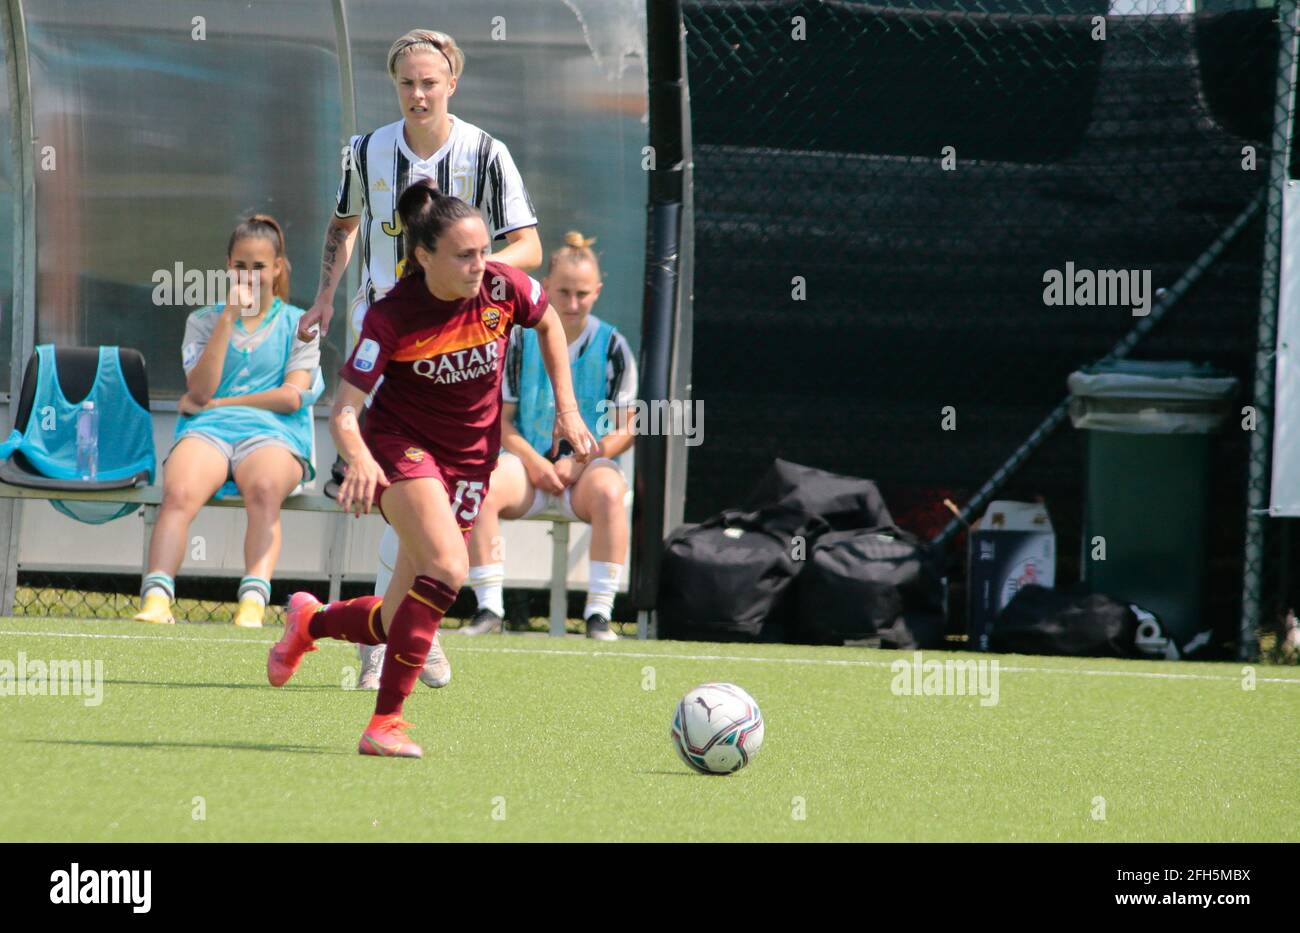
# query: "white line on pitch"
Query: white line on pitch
832,662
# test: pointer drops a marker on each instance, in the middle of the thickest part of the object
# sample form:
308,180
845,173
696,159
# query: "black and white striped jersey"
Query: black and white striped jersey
378,167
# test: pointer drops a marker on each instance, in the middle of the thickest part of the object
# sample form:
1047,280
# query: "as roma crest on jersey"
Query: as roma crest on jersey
491,318
415,454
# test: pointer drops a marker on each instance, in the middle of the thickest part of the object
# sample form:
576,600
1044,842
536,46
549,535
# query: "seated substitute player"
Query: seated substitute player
527,481
429,443
428,142
246,416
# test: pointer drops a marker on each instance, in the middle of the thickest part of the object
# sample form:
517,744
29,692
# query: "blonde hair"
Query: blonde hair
576,248
427,40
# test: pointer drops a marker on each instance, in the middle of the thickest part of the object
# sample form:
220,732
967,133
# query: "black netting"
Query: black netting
820,159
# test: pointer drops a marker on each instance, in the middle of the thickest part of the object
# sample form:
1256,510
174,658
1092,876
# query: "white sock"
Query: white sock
488,582
601,586
257,589
160,582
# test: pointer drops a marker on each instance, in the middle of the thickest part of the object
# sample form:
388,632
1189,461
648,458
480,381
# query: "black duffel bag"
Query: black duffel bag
881,583
843,502
1066,622
726,578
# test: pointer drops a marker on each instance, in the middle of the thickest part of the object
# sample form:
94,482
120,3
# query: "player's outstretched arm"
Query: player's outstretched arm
357,491
340,236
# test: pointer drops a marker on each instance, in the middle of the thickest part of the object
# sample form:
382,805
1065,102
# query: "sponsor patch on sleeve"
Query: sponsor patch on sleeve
190,355
367,353
537,290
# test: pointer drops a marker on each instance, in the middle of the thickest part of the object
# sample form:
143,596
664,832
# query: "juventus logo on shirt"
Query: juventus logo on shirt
393,227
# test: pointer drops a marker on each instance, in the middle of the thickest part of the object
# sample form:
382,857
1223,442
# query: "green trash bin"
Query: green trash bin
1148,428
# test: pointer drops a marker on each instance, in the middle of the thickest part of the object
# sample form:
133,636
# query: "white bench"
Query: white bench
150,497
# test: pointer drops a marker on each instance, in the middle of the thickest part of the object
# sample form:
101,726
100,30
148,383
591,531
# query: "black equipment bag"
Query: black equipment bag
881,583
725,579
843,502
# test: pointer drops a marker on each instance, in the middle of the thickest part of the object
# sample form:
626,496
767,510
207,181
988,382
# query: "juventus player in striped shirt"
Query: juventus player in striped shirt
461,160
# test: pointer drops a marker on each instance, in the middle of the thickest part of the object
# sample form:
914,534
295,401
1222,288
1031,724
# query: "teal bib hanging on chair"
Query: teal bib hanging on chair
48,440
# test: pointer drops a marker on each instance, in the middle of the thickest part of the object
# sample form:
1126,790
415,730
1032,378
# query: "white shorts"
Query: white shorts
563,504
237,453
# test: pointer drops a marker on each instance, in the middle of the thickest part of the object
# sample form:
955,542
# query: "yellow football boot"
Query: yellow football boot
251,611
157,609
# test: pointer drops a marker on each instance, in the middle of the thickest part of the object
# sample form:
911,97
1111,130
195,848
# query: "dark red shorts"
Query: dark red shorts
400,460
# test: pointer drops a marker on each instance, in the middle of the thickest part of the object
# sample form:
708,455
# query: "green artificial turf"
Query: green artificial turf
567,739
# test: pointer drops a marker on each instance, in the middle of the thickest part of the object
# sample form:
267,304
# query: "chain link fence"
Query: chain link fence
879,191
64,594
207,599
211,599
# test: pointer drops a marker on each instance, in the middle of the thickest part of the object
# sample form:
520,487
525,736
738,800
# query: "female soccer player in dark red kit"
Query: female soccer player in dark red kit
430,440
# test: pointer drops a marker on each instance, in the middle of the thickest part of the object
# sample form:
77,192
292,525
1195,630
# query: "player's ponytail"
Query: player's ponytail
426,213
576,248
268,228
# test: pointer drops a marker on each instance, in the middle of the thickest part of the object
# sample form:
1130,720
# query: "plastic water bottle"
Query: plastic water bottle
88,442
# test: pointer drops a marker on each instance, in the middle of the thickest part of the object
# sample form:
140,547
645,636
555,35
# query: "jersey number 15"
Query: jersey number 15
472,491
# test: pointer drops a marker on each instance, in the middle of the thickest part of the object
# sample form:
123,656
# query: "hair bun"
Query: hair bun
577,240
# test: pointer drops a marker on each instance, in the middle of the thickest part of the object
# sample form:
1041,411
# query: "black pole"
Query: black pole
666,78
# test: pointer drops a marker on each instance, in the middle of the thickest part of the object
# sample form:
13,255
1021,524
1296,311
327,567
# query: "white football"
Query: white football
717,728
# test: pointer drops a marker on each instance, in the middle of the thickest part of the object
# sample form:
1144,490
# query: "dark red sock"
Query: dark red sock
355,620
412,630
